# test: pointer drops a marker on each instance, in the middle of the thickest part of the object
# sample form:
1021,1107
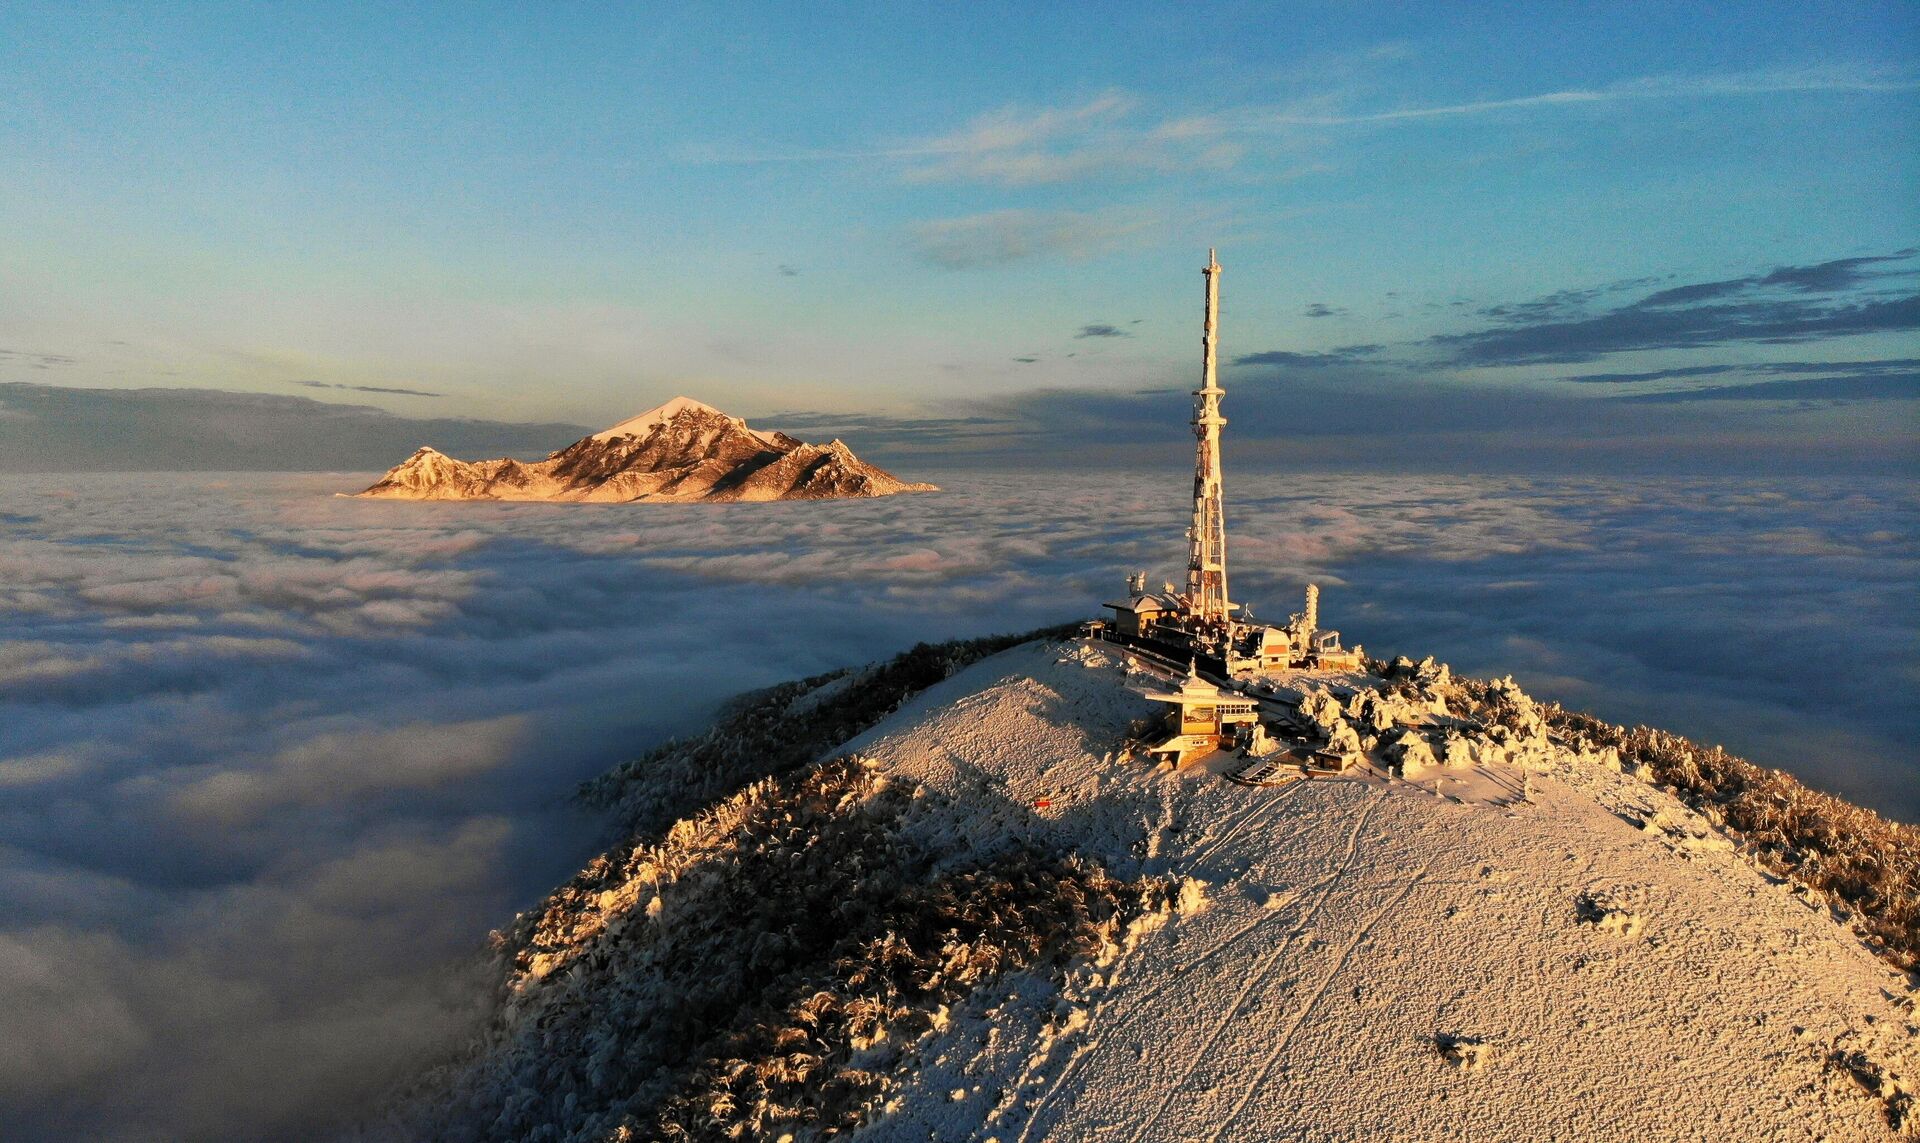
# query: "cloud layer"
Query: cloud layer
46,428
1003,236
272,763
1789,304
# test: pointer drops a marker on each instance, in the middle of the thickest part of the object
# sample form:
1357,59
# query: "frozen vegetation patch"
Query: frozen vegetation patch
1610,912
828,1058
797,954
1468,1053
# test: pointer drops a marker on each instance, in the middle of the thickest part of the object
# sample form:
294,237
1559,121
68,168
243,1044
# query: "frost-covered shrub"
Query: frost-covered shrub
1412,756
756,970
824,1059
1321,709
1344,740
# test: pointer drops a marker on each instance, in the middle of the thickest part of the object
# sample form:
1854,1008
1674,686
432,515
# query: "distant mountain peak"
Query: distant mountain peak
681,450
641,424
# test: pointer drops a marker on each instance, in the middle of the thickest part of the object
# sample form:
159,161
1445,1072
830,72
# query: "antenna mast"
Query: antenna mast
1207,563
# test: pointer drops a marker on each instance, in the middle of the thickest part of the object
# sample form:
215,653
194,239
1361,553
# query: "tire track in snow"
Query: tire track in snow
1325,889
1260,811
1230,939
1234,937
1319,993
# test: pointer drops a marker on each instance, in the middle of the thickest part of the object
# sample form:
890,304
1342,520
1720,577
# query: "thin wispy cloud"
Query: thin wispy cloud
1115,132
1880,368
46,428
1785,305
1341,355
367,389
1677,87
1859,387
33,360
1827,277
1003,236
1678,373
1018,147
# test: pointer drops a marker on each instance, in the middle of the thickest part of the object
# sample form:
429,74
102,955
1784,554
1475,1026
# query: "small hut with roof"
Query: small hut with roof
1203,718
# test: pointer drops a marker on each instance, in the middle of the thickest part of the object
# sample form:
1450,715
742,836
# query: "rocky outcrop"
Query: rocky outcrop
683,450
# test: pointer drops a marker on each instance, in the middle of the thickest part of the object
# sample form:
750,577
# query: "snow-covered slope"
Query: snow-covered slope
682,450
1498,953
995,924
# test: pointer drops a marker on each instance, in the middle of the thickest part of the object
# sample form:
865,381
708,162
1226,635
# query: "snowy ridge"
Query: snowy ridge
1527,942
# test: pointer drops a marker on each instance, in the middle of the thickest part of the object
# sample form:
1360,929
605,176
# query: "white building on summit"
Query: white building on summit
1199,625
1203,718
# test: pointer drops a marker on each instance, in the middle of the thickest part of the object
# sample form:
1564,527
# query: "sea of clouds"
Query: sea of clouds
272,762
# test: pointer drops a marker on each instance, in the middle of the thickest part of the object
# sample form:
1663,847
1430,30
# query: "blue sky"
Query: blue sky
537,214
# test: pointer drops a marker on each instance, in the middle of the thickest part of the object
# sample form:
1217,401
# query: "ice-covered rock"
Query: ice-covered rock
1468,1053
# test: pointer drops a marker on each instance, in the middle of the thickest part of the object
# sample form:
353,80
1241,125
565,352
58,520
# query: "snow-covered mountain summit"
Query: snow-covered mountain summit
884,906
682,450
641,425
